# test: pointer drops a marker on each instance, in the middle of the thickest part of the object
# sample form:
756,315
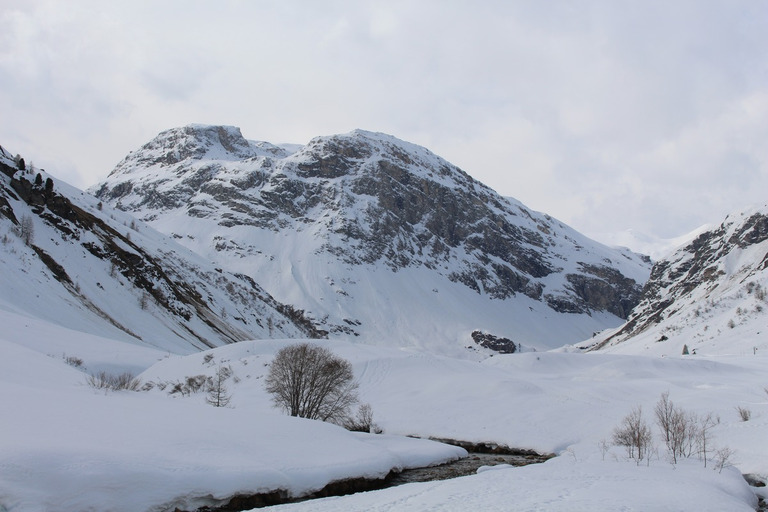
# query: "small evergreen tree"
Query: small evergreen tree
48,186
218,395
39,180
27,229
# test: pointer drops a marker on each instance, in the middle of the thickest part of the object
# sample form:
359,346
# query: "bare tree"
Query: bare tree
218,395
604,447
685,434
27,229
690,433
665,411
635,434
309,381
706,423
723,458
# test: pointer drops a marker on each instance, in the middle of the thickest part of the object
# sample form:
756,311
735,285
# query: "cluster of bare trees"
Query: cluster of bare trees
634,434
685,434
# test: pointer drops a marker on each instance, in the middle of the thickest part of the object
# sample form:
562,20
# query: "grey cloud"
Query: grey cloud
577,109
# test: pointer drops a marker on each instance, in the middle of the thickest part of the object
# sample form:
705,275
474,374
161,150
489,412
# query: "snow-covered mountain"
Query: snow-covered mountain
68,259
376,237
80,283
711,294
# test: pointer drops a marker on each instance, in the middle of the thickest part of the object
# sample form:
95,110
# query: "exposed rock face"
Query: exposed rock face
370,199
604,289
497,344
731,258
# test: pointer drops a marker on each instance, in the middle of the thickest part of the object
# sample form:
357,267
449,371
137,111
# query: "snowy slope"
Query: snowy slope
68,447
67,258
377,238
710,295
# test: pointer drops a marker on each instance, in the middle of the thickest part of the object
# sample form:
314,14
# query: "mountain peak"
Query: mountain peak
360,211
197,142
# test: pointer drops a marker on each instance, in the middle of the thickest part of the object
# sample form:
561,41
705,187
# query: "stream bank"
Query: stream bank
480,454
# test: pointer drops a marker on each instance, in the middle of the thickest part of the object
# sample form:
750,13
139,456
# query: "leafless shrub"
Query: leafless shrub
723,459
73,361
309,381
744,413
363,421
177,388
635,434
187,386
196,383
684,433
706,423
108,382
604,447
664,411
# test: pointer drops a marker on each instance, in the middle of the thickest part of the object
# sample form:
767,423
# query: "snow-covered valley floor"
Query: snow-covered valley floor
66,446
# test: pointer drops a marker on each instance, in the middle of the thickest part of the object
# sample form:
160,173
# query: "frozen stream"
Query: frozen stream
462,467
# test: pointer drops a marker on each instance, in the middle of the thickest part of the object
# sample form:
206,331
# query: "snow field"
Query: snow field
557,485
68,447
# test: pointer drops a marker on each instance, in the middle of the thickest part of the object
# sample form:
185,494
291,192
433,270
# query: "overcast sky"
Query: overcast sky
609,115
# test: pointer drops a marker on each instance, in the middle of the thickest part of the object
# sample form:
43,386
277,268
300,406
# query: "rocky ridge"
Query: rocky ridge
714,285
363,199
94,269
